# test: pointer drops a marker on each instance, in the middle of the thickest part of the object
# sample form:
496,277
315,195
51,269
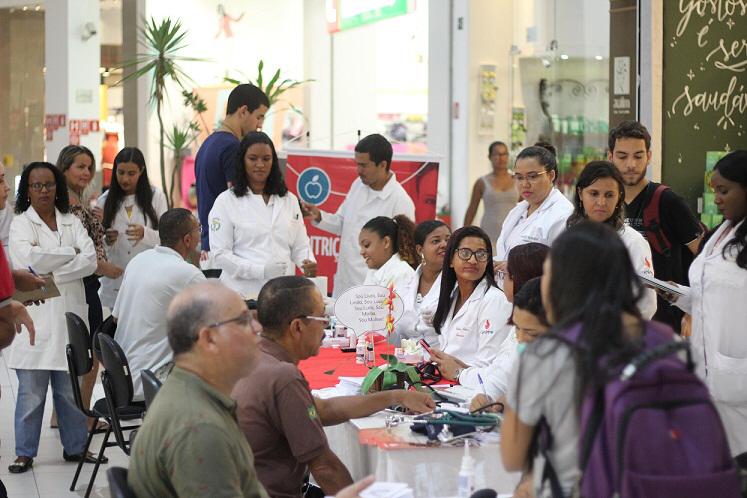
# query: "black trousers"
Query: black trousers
95,313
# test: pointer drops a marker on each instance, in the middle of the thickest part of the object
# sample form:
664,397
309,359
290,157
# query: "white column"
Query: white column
72,53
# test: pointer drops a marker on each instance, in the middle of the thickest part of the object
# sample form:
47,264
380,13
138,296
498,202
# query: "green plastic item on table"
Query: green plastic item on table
388,374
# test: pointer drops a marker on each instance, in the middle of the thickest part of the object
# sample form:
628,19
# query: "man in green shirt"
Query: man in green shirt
190,444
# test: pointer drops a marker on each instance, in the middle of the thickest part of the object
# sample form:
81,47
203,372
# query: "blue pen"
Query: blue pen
43,288
479,377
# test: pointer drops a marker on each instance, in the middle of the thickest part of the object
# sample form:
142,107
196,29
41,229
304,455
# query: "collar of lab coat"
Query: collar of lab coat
552,198
714,246
168,251
387,267
62,218
388,187
477,294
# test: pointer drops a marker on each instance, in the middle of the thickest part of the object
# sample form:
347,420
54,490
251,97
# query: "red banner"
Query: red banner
323,178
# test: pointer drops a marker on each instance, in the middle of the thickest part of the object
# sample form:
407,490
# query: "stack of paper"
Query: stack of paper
347,386
387,490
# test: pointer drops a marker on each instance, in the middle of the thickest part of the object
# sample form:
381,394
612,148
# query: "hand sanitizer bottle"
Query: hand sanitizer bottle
466,484
360,351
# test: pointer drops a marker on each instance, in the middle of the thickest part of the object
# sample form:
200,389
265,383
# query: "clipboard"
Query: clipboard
49,291
655,283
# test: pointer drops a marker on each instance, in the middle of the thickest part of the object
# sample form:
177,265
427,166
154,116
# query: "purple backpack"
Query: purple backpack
652,430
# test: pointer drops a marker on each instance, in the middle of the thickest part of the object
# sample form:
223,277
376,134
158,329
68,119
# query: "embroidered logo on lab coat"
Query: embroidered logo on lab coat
487,328
215,224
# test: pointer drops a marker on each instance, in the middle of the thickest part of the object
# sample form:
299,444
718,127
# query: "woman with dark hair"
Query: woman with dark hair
600,197
717,299
525,262
257,231
496,190
420,294
47,238
472,312
78,165
131,210
388,248
543,211
588,287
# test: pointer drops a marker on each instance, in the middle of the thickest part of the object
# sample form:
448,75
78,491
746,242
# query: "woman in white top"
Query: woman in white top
129,211
471,315
420,294
600,197
257,231
496,191
388,248
717,300
543,211
46,237
524,263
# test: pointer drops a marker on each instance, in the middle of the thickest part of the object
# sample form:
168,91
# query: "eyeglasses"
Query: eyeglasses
465,254
198,228
323,319
243,320
38,186
530,177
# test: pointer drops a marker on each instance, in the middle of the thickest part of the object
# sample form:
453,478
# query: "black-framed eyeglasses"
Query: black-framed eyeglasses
38,186
465,254
243,320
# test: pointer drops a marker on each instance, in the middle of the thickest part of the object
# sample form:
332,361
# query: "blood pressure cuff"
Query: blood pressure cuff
459,423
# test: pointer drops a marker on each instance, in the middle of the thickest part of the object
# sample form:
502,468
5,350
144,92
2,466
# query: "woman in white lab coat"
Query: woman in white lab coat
388,248
543,210
472,312
717,301
257,231
600,197
47,238
420,294
129,211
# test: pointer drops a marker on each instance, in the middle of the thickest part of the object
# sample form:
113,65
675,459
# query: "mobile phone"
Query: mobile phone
425,345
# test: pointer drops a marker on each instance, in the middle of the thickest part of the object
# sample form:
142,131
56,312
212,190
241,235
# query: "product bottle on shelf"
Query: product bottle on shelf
360,351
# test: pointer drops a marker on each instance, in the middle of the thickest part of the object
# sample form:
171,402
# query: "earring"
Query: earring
422,258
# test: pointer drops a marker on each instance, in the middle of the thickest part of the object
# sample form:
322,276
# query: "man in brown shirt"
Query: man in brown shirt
276,411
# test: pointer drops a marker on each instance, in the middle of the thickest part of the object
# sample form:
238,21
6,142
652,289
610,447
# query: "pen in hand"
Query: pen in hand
482,385
31,270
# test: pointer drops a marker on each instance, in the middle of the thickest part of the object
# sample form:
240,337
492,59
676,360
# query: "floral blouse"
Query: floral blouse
94,228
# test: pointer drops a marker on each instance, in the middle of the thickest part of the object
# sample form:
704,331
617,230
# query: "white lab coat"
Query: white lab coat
122,251
495,376
543,226
395,271
640,255
34,245
717,300
412,325
361,205
246,234
476,332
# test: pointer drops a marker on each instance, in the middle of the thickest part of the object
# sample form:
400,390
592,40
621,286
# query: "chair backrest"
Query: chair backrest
118,370
151,385
108,327
79,341
118,487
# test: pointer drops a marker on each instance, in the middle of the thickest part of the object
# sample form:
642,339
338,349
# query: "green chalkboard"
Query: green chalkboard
704,88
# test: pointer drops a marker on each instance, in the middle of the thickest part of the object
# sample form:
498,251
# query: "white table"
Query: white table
430,472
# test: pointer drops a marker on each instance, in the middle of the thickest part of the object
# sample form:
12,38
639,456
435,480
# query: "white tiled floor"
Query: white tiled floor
50,476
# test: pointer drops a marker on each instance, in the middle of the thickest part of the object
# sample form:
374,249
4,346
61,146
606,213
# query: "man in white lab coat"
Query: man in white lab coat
375,192
150,282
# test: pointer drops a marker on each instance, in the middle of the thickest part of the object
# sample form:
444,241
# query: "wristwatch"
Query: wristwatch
457,373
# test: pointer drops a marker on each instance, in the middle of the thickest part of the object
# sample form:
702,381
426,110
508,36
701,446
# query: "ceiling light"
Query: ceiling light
564,57
598,57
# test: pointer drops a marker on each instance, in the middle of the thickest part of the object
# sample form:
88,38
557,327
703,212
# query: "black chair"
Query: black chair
108,327
118,390
118,487
79,355
151,385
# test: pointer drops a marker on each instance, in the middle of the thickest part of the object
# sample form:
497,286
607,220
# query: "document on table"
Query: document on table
387,490
460,394
347,386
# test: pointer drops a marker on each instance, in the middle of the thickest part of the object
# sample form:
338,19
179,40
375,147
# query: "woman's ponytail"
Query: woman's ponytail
406,239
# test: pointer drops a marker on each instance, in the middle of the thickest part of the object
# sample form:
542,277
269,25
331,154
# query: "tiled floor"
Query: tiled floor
51,475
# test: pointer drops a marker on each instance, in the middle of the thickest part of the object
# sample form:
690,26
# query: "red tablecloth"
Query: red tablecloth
325,369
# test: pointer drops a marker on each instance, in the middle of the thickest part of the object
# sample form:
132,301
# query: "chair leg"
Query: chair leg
98,460
91,432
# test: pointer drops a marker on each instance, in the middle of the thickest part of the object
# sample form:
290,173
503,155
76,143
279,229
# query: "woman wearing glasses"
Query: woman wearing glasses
130,210
472,313
47,238
256,228
542,213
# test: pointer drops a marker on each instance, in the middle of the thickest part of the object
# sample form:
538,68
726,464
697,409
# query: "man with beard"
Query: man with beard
676,235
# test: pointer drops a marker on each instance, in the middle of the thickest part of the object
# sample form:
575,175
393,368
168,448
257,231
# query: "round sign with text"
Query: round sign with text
364,309
313,186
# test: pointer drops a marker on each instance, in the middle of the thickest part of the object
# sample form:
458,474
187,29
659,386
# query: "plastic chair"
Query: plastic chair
151,385
118,390
118,487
